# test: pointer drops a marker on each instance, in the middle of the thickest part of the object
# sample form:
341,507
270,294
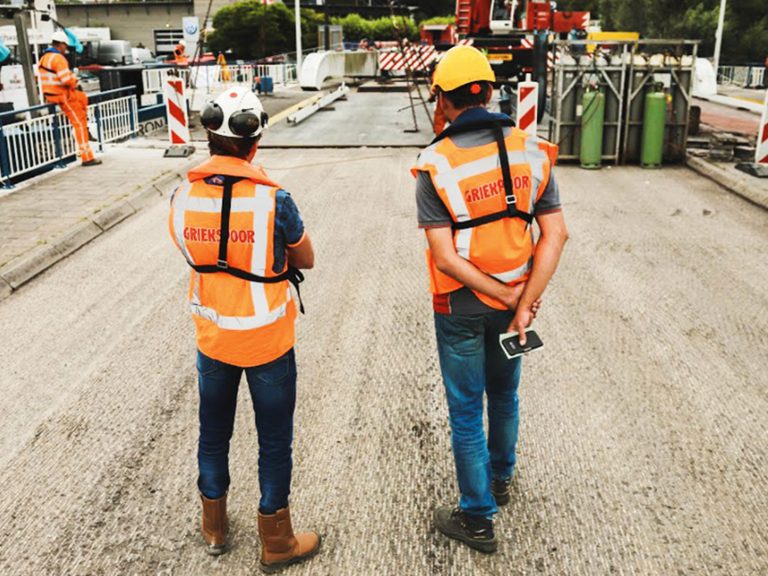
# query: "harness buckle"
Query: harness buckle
511,199
222,264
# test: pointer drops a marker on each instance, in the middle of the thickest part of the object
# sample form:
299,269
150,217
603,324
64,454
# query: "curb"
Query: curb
741,186
25,267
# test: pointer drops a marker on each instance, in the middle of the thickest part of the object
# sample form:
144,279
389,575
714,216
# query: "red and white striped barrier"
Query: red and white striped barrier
761,153
411,58
467,42
527,105
176,109
552,59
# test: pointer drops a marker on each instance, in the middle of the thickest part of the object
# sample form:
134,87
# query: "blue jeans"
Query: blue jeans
473,364
273,393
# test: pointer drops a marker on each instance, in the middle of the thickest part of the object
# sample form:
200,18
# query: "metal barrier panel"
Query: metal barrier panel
744,76
118,118
154,78
44,138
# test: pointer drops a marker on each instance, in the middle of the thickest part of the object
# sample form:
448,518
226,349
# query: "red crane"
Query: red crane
503,28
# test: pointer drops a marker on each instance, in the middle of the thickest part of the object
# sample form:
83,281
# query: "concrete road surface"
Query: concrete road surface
644,434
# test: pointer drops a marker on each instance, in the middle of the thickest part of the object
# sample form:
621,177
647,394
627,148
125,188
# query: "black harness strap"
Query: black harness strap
497,126
40,65
293,275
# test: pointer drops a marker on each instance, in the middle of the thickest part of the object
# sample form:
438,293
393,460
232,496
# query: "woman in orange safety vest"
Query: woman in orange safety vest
244,239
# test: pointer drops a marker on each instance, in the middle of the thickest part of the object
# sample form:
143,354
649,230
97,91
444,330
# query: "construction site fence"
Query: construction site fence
624,71
210,77
744,76
41,138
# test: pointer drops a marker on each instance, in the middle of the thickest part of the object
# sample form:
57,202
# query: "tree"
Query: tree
356,28
745,38
251,30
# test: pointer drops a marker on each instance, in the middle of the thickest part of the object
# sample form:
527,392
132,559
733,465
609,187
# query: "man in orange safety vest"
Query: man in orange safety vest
481,186
59,86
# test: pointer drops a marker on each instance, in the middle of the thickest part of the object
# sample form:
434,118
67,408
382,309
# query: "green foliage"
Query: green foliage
745,36
251,30
356,28
439,20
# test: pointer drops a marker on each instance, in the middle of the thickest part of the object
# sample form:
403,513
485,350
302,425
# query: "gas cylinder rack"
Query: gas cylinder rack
654,63
577,71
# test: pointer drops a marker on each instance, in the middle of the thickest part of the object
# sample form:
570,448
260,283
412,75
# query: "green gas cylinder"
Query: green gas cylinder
593,112
654,121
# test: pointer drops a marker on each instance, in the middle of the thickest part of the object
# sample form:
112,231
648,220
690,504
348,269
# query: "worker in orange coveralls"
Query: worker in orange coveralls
59,86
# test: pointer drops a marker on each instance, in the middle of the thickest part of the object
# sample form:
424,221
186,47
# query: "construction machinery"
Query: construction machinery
515,35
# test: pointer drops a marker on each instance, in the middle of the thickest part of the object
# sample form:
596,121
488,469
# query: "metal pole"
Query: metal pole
22,22
719,36
327,27
298,37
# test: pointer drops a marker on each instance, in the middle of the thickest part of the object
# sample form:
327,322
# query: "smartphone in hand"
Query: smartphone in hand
510,343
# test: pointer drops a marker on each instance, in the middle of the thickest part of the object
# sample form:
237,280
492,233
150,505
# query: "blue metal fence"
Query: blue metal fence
41,138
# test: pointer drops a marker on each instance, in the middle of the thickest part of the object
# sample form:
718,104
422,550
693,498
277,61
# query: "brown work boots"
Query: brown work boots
280,547
215,525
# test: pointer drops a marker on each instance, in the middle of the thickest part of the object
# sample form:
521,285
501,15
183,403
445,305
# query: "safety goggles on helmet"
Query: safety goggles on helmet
242,123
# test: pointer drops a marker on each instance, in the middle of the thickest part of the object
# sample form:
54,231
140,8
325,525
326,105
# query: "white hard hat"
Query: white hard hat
183,43
60,36
236,113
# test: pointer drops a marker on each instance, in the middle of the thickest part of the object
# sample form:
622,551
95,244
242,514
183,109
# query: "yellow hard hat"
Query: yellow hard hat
462,65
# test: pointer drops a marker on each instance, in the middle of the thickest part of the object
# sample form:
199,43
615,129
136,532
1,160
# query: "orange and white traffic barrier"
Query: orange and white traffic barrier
761,151
176,109
527,105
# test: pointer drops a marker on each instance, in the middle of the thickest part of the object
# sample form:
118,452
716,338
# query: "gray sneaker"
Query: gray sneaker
474,531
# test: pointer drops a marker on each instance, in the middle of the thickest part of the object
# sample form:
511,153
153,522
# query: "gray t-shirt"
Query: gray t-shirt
433,213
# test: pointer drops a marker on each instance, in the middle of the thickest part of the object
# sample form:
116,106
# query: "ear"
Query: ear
490,94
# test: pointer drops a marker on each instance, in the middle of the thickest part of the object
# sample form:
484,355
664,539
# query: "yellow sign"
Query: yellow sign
608,36
505,57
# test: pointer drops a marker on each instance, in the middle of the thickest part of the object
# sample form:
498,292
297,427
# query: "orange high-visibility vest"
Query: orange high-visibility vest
470,183
238,322
55,76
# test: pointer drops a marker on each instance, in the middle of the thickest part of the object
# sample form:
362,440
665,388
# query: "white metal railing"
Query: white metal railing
154,78
43,137
116,119
745,76
211,77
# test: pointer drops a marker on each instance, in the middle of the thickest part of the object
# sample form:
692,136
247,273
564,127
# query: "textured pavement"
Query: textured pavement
39,211
644,438
362,119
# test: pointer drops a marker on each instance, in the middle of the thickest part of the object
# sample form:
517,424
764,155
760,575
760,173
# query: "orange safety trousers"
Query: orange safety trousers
74,104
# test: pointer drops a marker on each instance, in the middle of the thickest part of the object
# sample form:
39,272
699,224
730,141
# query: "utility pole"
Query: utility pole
298,38
719,36
327,27
22,21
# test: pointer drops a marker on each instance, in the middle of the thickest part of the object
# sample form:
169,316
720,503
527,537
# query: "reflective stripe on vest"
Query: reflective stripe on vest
51,81
262,206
